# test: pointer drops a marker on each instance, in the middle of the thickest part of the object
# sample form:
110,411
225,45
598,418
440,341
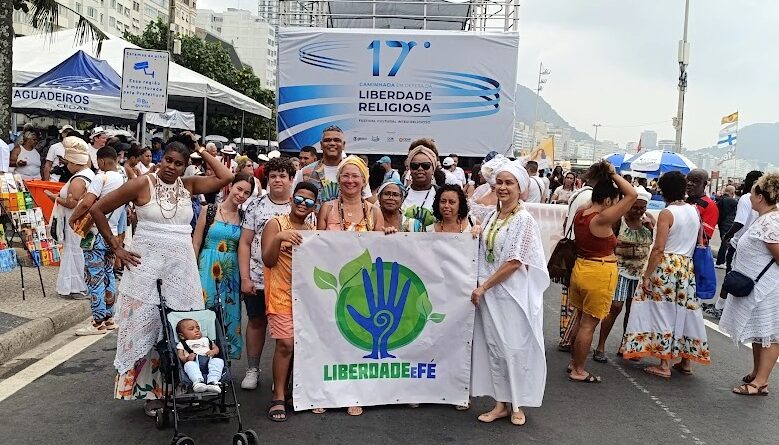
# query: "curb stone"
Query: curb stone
36,331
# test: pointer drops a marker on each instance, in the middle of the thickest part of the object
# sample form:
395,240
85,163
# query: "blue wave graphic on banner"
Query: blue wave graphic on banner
296,116
313,135
307,92
311,54
458,84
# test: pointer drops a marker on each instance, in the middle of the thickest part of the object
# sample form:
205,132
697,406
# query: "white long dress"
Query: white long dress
755,318
164,242
508,359
70,277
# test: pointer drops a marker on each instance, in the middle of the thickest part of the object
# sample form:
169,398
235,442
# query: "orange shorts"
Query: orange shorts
280,326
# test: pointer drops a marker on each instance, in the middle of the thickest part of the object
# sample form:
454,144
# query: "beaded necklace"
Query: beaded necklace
492,233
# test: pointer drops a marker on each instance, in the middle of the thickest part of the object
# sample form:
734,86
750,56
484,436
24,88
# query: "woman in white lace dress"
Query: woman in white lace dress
755,318
162,250
508,361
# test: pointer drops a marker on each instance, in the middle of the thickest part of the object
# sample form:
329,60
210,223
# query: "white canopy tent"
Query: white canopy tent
185,87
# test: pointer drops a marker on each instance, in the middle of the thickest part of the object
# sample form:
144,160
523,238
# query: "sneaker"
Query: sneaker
110,324
92,329
214,388
199,387
252,379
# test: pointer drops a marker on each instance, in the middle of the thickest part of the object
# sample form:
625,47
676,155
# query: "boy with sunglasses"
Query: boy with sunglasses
278,238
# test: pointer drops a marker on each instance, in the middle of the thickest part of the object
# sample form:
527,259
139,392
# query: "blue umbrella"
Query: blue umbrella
616,159
656,162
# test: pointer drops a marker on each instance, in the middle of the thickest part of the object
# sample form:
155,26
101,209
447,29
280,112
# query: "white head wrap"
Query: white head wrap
519,172
643,194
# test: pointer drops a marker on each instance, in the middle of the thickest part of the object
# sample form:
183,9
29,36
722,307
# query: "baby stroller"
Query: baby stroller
180,400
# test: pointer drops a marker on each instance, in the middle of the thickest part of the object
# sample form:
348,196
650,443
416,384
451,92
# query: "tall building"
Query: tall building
253,38
666,144
118,16
648,140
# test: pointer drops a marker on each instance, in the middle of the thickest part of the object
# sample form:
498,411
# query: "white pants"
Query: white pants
215,367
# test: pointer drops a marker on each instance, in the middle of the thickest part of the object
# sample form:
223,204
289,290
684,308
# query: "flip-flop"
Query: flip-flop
465,407
655,372
272,413
681,370
489,417
354,411
748,378
600,357
588,379
319,410
743,390
515,420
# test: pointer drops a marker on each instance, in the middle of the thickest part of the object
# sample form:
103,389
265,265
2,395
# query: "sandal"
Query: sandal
657,372
354,411
748,378
600,357
318,410
744,390
277,415
152,406
490,416
682,370
588,379
564,348
465,407
516,420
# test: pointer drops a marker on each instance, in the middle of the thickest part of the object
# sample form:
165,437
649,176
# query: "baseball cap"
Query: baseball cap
385,160
448,162
274,154
66,128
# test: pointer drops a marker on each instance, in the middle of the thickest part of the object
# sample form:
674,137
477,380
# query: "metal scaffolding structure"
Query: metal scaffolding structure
467,15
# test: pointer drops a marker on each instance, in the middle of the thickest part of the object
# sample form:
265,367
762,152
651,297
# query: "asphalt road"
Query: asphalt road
72,404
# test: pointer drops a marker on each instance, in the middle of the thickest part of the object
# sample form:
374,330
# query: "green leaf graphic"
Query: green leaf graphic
325,280
424,307
435,317
353,267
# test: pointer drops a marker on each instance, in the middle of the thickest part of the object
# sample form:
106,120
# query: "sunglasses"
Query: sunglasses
424,165
300,200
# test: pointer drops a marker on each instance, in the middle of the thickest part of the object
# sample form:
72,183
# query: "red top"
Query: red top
259,172
587,244
709,212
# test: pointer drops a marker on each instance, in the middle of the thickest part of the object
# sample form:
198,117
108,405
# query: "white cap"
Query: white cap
66,127
274,154
448,162
263,157
195,156
228,150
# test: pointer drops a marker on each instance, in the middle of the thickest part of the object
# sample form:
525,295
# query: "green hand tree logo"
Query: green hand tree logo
380,306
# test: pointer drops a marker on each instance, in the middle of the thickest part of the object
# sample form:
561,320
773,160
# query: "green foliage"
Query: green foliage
212,60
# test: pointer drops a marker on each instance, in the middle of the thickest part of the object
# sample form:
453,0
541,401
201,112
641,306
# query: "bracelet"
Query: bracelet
202,149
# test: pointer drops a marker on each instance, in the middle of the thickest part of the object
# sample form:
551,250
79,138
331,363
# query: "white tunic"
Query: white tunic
508,361
70,277
755,318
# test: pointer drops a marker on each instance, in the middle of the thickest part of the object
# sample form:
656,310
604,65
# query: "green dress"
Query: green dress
218,264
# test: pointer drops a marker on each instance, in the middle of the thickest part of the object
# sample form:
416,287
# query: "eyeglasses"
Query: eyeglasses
424,165
392,194
300,200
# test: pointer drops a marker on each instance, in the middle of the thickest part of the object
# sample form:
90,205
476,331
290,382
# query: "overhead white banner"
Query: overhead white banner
400,336
145,80
386,88
68,101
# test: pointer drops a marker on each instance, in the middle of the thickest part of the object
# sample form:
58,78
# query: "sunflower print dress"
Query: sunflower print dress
218,264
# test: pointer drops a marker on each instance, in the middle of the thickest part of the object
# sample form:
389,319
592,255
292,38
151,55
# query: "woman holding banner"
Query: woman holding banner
508,362
351,213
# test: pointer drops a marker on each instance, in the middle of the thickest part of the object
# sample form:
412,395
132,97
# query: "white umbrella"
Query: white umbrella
656,162
216,137
247,141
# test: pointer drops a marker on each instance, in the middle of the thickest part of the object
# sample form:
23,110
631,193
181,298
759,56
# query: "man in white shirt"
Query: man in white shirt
537,190
98,257
193,169
458,172
97,141
449,170
324,173
54,156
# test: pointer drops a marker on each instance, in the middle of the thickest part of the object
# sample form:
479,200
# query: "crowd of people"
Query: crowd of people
217,226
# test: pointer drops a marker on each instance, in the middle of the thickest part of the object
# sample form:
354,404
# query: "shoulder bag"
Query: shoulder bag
703,263
740,285
562,259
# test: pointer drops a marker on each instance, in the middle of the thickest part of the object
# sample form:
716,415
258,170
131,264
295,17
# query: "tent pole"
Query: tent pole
142,139
205,118
243,116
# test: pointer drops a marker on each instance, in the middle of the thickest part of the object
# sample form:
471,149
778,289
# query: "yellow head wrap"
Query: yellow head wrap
357,162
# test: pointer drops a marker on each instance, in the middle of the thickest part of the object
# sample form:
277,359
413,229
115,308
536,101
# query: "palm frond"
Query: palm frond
45,16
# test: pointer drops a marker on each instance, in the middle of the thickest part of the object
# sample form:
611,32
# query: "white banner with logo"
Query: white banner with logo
364,338
386,88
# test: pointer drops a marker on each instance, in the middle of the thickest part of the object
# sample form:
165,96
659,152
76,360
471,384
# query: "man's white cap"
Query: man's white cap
263,157
274,154
448,162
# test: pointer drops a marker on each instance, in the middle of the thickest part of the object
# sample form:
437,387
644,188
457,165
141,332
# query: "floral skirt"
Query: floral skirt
667,322
142,382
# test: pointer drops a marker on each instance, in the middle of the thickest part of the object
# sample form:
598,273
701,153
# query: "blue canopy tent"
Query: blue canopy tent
80,85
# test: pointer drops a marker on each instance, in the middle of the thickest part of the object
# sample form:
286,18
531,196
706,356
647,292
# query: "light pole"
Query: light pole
684,60
595,142
541,81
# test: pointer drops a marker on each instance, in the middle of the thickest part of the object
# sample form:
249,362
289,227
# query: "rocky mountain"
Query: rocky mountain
525,109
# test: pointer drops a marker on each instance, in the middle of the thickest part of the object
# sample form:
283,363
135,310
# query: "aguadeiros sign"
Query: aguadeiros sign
383,319
48,98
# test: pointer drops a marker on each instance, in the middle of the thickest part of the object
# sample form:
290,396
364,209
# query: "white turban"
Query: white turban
500,163
643,194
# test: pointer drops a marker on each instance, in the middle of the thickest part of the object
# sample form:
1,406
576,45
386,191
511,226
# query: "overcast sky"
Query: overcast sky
614,62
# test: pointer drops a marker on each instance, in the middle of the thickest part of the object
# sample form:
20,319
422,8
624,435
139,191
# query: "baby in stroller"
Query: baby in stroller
199,355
